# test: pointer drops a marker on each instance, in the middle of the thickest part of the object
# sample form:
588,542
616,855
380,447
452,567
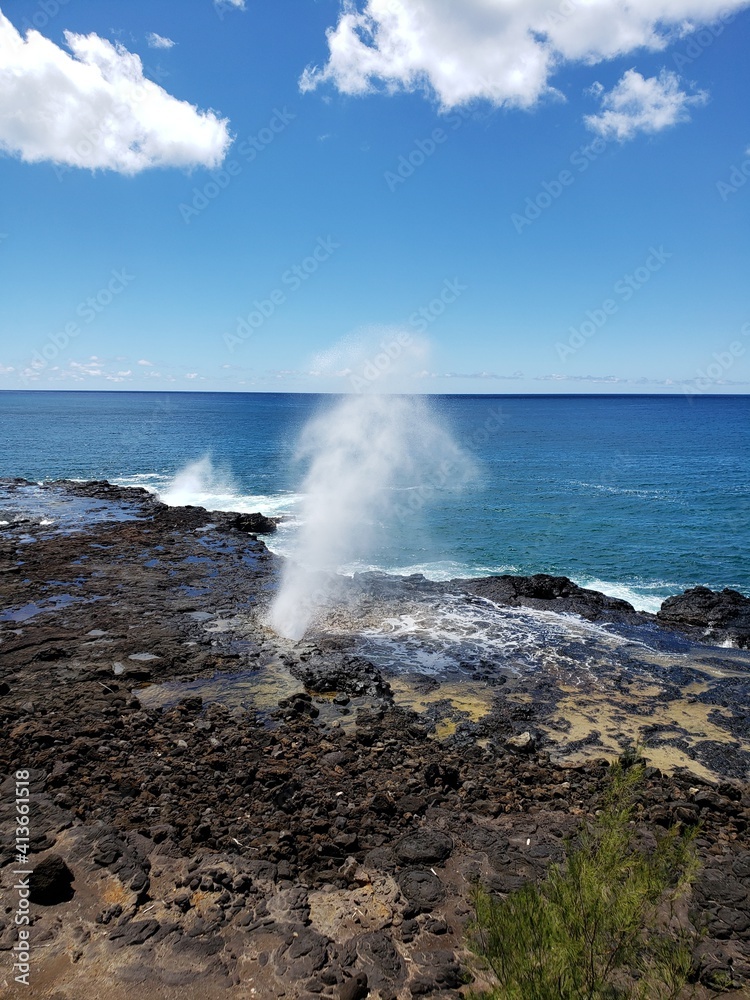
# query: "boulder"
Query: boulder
50,881
254,524
723,615
552,593
424,846
355,988
522,743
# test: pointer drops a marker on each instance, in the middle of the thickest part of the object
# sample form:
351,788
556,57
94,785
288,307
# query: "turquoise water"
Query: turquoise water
640,496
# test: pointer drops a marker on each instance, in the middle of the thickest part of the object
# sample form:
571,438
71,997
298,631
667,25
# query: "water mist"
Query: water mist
367,456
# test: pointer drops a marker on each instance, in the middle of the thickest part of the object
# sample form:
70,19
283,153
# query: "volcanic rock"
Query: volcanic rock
424,847
523,743
251,523
50,881
421,887
550,593
355,988
724,614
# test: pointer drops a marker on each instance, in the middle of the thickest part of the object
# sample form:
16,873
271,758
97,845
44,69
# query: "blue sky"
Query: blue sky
547,196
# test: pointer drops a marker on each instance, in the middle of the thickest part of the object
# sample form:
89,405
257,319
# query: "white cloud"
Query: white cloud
92,367
159,41
95,109
503,51
146,364
637,104
237,4
192,375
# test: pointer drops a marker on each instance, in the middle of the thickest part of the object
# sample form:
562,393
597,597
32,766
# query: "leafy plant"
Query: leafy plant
597,927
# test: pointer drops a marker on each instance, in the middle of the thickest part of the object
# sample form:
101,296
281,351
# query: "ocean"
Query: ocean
638,496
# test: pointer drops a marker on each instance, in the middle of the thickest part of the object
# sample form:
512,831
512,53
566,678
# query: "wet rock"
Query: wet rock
300,705
51,881
250,523
724,614
335,672
556,593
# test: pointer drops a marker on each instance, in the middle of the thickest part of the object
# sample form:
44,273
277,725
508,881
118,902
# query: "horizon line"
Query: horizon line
676,393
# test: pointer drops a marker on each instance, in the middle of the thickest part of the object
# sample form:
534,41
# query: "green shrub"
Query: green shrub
597,927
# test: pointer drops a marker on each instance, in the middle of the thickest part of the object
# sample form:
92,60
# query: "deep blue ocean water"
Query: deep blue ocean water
639,496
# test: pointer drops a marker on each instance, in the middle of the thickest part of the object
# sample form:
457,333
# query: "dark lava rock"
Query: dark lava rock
556,593
380,957
725,614
438,970
439,774
302,955
50,882
412,804
299,704
350,674
421,887
251,523
136,932
423,847
100,489
354,989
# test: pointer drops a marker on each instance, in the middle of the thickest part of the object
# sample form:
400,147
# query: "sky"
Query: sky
484,196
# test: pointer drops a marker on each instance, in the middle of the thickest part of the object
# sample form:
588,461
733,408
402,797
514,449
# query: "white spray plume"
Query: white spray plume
375,359
200,484
362,454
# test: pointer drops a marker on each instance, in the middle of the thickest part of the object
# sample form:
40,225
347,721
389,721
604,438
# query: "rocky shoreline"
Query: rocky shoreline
312,837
